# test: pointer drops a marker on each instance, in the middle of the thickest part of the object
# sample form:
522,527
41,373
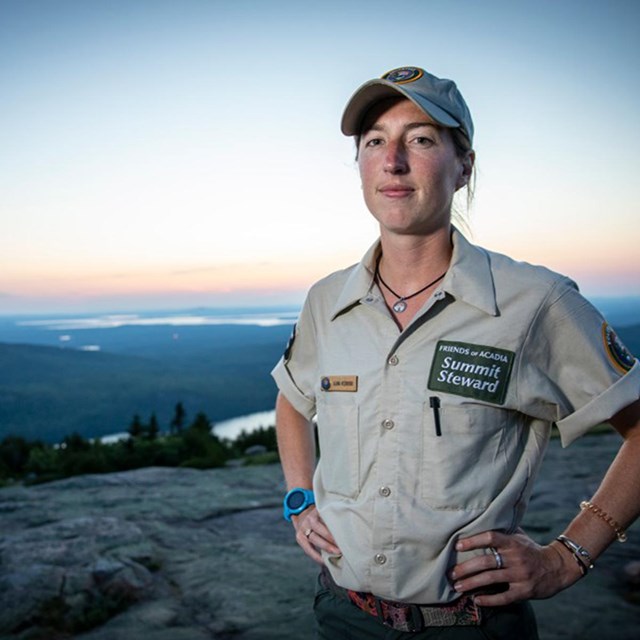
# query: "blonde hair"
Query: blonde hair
460,210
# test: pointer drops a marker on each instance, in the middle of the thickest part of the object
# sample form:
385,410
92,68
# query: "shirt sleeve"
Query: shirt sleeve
574,370
295,373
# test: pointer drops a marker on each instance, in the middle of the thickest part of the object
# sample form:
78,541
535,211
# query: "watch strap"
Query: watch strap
308,499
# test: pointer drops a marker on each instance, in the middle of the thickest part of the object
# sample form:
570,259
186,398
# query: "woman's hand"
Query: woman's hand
312,534
528,570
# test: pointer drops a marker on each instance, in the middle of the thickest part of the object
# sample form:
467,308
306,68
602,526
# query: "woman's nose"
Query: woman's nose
396,158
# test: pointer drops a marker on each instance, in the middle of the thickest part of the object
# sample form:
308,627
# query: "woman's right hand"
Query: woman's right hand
313,535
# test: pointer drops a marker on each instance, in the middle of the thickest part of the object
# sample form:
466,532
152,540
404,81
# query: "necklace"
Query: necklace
400,305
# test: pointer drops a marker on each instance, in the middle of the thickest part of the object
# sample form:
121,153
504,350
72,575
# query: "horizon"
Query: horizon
154,311
158,155
614,308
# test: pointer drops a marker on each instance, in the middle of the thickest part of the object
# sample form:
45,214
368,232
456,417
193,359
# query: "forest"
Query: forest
48,392
186,444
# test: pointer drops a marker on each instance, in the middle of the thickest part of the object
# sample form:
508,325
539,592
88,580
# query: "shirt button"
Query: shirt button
393,360
438,295
380,558
369,299
388,424
385,492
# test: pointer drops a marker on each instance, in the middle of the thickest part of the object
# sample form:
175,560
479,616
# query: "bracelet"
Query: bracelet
621,534
582,556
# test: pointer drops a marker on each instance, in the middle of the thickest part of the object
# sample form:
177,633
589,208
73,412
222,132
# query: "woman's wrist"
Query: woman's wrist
569,568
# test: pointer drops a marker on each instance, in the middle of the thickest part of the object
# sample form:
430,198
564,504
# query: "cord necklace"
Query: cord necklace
400,305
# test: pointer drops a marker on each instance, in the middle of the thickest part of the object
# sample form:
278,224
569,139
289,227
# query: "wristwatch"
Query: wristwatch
296,501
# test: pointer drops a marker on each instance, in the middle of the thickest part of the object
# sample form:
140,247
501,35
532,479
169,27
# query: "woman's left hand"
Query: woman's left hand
514,566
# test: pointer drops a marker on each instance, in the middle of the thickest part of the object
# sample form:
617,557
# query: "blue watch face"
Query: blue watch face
295,500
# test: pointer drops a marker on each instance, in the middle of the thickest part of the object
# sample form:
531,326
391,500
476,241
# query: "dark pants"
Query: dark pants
339,619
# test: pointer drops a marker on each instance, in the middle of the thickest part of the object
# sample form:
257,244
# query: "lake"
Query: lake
229,429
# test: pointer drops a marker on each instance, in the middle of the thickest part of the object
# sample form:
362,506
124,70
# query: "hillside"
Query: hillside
48,392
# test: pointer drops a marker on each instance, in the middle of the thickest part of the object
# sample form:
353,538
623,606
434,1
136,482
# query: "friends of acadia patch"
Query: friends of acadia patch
471,370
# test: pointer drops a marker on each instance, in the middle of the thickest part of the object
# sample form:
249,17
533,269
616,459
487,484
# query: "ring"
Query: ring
498,557
308,532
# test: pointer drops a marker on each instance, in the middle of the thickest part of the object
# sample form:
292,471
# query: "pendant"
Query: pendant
400,306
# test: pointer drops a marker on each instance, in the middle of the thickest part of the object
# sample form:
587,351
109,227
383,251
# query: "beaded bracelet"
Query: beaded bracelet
620,532
581,555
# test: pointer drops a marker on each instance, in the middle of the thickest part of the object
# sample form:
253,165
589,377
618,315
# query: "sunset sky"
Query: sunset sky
168,154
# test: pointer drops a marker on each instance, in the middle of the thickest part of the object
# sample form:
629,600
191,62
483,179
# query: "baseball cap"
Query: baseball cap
437,97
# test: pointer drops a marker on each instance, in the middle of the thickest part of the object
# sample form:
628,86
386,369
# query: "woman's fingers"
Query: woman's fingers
313,535
513,568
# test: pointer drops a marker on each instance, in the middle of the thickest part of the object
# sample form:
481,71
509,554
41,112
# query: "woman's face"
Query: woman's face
409,169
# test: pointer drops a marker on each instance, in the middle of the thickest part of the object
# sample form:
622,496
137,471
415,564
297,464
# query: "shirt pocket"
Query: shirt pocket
338,429
465,466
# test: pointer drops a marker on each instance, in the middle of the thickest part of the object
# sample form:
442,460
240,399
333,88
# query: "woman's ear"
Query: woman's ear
466,169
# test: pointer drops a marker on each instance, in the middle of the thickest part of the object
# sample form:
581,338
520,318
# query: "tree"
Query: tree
201,424
75,443
153,429
44,461
177,423
265,436
203,448
135,428
14,453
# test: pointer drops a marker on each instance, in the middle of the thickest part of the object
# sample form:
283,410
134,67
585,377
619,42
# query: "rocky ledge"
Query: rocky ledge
180,554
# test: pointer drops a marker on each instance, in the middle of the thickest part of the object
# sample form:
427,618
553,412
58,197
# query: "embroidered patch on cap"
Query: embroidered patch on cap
619,355
339,383
471,370
403,75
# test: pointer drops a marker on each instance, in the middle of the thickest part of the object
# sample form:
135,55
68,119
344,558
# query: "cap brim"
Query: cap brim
374,91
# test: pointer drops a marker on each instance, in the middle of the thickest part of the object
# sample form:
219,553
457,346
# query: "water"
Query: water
229,429
256,317
232,428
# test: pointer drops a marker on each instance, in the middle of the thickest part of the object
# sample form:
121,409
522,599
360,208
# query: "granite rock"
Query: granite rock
183,554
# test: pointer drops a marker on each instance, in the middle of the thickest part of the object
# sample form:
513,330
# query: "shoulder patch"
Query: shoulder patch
621,358
287,351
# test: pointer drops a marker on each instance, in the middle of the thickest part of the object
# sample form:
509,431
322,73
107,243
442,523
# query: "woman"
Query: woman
436,369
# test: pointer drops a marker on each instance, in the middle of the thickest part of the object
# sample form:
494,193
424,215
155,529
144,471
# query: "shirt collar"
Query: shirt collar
469,277
359,283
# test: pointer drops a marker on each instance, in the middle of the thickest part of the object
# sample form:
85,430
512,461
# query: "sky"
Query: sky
158,154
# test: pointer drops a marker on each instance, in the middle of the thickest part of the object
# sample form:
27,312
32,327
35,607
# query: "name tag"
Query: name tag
339,383
471,370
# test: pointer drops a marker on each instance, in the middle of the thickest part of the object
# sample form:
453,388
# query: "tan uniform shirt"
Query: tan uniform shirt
504,348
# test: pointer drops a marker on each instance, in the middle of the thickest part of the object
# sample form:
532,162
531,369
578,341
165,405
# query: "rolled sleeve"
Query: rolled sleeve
300,402
296,372
568,375
621,394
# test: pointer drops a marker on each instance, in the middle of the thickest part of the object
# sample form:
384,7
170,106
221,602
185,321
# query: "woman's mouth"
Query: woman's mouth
396,190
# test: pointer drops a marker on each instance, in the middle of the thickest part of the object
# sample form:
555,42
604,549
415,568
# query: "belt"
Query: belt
408,617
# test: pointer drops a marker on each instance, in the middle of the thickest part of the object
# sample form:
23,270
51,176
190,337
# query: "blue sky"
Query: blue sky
171,154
